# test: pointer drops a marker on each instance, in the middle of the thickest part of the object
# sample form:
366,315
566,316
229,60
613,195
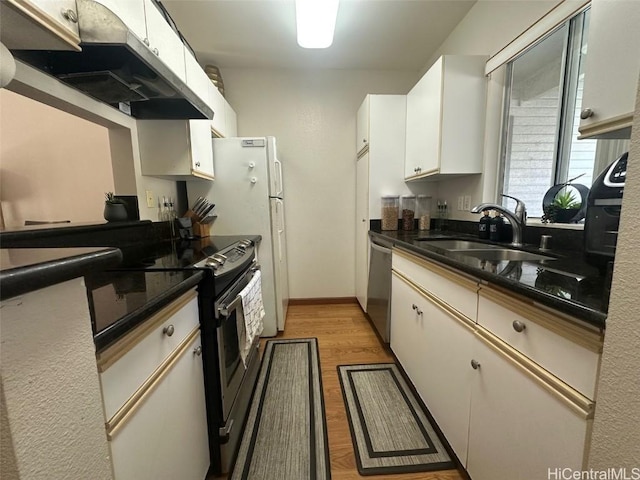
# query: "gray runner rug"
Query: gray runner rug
285,437
390,431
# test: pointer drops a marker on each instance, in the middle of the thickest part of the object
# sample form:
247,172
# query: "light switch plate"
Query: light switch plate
460,202
467,203
150,200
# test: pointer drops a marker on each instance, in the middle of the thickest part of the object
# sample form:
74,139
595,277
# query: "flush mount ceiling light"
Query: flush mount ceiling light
316,22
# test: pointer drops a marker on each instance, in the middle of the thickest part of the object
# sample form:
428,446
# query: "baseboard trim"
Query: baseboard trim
322,301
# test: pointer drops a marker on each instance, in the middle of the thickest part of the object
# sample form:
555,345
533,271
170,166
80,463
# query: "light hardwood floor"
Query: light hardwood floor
344,337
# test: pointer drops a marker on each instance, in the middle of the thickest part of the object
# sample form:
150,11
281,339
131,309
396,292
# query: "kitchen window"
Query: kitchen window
543,97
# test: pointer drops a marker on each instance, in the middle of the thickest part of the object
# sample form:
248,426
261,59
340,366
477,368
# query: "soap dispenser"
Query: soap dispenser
483,226
496,226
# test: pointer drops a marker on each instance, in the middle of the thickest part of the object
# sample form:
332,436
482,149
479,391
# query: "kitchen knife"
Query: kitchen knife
197,205
208,209
203,206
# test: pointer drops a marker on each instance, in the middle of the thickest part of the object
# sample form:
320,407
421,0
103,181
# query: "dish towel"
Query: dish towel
253,309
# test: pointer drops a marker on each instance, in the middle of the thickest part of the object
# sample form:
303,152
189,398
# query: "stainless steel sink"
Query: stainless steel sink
456,245
507,254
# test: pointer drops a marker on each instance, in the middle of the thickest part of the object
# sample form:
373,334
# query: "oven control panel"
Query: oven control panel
230,258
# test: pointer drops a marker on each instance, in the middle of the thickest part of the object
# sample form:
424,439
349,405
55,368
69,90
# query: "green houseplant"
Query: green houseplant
114,209
563,208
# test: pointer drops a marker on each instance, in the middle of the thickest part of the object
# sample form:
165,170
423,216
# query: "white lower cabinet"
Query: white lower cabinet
166,437
154,402
432,347
518,429
504,414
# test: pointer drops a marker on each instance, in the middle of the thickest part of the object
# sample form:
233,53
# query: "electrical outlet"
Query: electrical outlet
467,203
460,202
150,200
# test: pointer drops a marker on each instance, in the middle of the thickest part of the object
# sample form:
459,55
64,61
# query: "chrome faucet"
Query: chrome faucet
518,219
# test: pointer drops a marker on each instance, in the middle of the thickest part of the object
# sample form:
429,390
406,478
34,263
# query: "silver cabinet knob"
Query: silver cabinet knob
156,52
146,41
586,113
518,326
475,365
168,330
197,164
417,309
364,140
363,220
198,350
69,15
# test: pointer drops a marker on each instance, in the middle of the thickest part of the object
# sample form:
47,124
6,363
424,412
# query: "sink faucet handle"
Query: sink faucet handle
521,208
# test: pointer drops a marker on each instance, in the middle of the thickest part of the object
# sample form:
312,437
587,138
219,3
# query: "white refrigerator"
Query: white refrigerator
248,193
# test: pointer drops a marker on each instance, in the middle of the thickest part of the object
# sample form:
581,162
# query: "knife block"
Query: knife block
199,229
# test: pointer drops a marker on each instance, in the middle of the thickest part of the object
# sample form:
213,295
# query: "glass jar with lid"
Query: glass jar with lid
423,212
408,206
390,212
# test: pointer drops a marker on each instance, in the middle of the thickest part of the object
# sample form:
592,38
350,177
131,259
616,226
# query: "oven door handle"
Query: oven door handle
225,309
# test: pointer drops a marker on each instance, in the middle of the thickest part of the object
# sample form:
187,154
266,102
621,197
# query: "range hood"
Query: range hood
116,67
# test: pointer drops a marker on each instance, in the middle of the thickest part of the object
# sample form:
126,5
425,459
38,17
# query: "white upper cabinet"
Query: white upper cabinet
217,103
163,41
231,120
197,80
612,67
362,126
39,24
445,119
131,13
176,149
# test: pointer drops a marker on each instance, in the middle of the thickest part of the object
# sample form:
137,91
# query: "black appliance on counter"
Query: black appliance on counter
603,214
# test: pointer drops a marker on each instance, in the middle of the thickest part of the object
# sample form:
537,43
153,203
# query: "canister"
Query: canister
390,212
423,212
408,206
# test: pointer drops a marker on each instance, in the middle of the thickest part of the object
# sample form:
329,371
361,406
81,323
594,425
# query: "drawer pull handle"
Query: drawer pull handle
168,330
586,113
518,326
475,365
198,350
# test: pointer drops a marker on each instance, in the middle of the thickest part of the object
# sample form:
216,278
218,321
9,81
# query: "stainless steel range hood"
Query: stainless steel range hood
116,67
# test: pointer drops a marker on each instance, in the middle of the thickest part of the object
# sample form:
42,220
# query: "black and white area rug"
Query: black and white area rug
286,432
390,431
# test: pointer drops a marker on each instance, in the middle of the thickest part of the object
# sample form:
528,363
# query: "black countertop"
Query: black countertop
567,283
24,270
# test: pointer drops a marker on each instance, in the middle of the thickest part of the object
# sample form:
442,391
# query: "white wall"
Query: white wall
616,431
487,28
313,115
52,418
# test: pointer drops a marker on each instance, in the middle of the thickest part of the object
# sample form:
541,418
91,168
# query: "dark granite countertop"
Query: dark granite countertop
567,283
24,270
120,300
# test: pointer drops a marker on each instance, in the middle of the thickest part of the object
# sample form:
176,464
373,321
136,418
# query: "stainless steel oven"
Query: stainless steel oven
233,373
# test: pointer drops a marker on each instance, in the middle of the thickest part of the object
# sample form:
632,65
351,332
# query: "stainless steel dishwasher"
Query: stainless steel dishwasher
379,289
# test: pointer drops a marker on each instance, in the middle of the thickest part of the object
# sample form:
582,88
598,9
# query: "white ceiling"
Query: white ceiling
370,34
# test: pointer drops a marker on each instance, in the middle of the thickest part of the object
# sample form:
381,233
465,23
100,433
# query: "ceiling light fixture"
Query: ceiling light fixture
316,22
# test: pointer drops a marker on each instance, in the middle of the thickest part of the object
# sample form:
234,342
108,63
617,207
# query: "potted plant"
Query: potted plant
114,209
564,207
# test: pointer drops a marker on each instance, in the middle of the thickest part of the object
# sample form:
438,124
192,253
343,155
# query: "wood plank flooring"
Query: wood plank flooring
344,337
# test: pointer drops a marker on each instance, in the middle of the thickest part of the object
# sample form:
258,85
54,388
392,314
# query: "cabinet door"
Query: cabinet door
163,41
166,436
63,12
197,80
362,229
217,103
201,147
362,125
230,121
446,348
612,66
408,332
423,123
131,13
518,429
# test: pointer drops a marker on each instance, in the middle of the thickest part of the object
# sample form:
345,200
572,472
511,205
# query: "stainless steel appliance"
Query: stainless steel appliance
228,264
249,197
604,205
379,288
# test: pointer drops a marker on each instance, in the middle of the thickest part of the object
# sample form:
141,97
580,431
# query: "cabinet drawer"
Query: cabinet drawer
568,351
127,364
458,291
